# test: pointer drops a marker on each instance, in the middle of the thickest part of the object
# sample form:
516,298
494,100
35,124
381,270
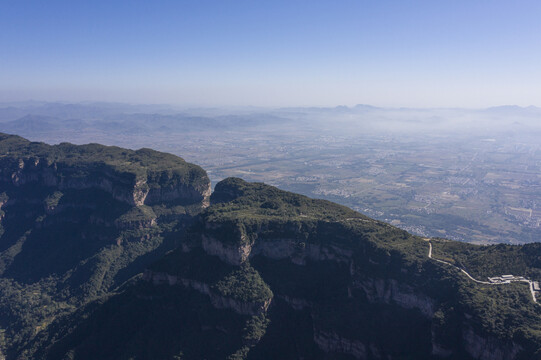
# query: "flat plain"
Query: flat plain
466,175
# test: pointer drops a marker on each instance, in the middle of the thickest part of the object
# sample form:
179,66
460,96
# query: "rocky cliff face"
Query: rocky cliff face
231,254
125,187
488,347
3,201
390,291
261,273
77,221
332,343
273,248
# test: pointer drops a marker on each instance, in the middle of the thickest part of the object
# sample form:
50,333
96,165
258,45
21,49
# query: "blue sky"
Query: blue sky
437,53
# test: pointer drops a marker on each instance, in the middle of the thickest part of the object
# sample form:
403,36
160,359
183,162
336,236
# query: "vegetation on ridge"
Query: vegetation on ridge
160,168
484,261
244,284
338,280
63,247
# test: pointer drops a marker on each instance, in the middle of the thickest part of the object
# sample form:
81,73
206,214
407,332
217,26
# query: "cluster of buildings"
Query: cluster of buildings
505,279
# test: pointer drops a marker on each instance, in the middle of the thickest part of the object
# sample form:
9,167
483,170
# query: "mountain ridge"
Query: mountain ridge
249,272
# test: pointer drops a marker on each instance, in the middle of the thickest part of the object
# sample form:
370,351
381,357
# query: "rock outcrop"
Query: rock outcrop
331,342
485,347
245,246
124,187
142,177
390,291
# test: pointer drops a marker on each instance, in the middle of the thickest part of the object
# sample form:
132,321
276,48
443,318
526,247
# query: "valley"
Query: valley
432,179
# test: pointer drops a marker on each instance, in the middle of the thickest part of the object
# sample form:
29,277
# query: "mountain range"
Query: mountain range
111,253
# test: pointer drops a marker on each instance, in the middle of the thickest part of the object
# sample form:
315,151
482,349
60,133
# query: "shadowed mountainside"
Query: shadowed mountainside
78,221
259,274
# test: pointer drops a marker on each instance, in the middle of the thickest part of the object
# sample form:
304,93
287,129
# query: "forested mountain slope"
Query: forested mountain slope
78,221
143,269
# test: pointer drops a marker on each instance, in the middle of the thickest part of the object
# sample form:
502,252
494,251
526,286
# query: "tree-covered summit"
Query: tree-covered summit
139,163
236,197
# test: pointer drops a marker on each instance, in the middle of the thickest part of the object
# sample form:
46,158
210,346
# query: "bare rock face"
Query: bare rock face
142,177
488,348
331,342
295,303
391,291
276,249
440,350
231,254
241,248
123,187
181,191
3,201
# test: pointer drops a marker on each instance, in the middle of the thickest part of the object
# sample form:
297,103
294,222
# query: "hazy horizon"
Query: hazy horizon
181,107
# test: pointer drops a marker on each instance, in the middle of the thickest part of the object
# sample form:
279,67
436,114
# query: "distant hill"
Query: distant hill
30,124
75,119
514,110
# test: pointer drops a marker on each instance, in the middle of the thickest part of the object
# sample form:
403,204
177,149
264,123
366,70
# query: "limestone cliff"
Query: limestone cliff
133,177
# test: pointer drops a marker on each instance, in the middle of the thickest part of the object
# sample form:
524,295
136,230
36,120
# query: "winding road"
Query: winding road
530,282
